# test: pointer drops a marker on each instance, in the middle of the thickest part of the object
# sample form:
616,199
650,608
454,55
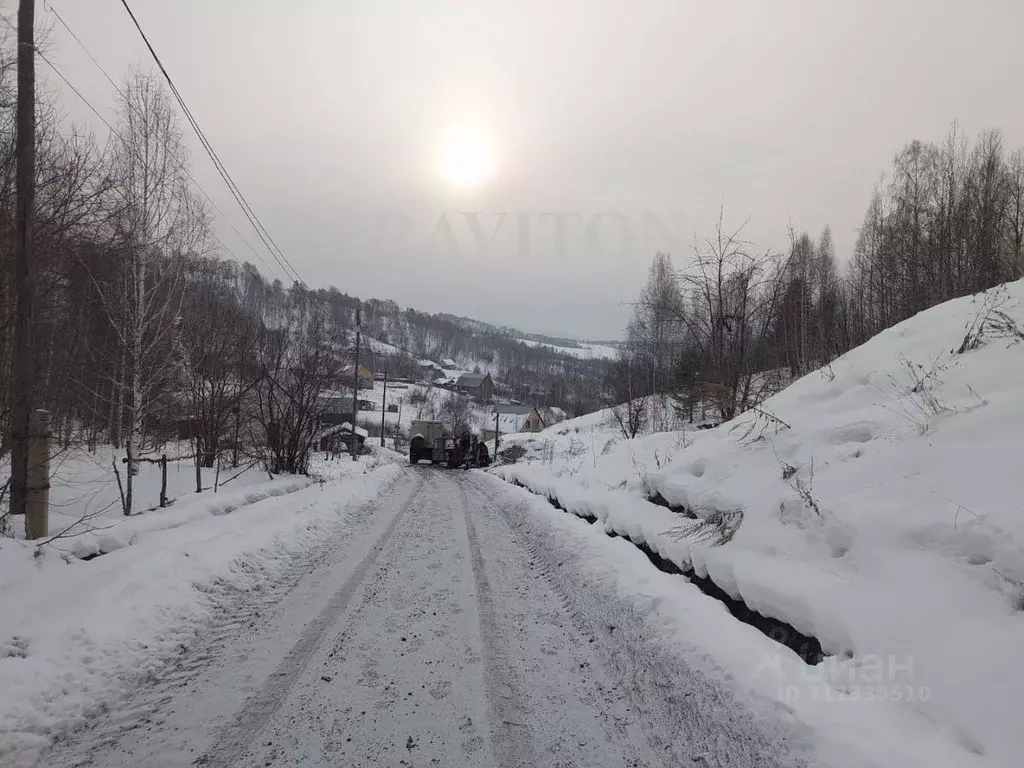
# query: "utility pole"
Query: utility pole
495,436
24,274
355,390
383,408
398,426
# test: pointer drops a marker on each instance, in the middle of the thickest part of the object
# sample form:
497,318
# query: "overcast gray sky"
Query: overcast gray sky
353,127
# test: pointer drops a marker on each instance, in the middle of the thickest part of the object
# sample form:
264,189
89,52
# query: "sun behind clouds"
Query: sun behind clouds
466,158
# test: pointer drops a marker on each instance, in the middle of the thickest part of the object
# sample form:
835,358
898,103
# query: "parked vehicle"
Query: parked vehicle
422,445
472,452
445,451
430,442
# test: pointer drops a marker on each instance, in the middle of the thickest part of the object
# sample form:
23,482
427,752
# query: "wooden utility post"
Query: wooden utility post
24,497
496,436
355,392
398,424
383,408
37,487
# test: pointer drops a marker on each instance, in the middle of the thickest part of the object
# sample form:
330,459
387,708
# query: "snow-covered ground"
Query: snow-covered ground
447,623
380,347
84,492
76,634
585,351
401,394
875,505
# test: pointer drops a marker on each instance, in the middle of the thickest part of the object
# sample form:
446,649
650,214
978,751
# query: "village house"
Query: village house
552,415
365,376
336,407
338,438
512,419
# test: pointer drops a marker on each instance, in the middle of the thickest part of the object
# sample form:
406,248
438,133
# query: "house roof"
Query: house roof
345,427
364,372
511,418
552,415
520,410
509,423
473,380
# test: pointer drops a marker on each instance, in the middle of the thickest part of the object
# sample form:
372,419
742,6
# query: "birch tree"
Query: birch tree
155,221
655,335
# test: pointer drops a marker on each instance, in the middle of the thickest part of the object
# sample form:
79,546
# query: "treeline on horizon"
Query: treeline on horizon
735,324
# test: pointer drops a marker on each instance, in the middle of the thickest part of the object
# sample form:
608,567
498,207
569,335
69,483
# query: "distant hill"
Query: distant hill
534,368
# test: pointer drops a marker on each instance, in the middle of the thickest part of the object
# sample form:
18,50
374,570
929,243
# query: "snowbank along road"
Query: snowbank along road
447,626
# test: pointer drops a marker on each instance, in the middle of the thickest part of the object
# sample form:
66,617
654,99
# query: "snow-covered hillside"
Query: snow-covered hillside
398,339
876,505
585,351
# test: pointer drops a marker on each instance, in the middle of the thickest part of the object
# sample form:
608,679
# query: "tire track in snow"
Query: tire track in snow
623,727
234,611
239,735
689,714
510,735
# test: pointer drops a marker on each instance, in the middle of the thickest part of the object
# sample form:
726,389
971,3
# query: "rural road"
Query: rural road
443,626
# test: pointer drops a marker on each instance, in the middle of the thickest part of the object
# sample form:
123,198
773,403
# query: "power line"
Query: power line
181,166
261,230
59,74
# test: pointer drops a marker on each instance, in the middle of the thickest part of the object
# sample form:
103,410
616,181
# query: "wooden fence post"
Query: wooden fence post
163,480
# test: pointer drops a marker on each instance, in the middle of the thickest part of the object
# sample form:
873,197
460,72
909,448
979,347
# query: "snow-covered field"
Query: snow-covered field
75,634
875,505
585,351
84,492
400,394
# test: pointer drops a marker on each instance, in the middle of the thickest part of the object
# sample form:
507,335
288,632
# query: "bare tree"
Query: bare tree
298,367
1014,227
455,412
733,298
949,223
655,334
154,217
216,350
626,394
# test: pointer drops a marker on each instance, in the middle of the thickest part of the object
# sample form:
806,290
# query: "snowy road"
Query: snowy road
446,626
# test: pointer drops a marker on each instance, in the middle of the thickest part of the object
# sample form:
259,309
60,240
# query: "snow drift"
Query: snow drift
879,509
75,634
